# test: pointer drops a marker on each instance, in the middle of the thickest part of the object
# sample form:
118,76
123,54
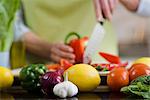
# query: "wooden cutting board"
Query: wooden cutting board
102,88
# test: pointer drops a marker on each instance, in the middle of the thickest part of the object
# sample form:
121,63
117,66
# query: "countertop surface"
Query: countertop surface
101,93
16,92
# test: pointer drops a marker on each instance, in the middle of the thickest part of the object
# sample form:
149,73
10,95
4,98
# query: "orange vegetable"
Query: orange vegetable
64,64
118,78
53,67
137,70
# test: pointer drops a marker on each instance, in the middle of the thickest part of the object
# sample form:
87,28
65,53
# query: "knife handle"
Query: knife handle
104,18
101,22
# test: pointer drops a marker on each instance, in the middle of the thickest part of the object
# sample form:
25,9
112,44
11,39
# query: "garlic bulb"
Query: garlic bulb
65,89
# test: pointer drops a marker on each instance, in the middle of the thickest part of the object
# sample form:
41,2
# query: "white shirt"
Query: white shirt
144,8
20,28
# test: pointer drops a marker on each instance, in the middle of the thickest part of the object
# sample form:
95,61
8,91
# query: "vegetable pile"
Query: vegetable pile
37,78
7,13
84,77
138,76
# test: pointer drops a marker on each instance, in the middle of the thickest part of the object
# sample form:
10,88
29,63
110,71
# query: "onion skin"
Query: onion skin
49,80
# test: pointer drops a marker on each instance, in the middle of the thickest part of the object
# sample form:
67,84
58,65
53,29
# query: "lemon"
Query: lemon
84,76
143,60
6,77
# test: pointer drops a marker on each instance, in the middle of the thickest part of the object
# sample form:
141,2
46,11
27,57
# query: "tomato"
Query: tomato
137,70
118,78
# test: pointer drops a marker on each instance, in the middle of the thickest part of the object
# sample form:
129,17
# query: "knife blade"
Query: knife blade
94,42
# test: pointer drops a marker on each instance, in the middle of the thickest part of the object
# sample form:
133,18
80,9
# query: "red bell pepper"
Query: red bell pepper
78,44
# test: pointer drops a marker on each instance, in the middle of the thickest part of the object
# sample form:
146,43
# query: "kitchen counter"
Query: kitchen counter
16,92
101,93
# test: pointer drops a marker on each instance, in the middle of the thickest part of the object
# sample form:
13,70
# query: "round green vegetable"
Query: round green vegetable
30,76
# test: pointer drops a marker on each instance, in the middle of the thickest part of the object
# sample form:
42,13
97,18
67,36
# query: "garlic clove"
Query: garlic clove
73,91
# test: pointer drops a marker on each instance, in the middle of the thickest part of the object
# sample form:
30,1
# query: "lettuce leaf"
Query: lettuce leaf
139,87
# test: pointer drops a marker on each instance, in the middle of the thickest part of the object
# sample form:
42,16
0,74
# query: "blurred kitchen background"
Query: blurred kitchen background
133,33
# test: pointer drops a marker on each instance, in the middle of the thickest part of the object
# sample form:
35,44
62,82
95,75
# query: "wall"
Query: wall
133,32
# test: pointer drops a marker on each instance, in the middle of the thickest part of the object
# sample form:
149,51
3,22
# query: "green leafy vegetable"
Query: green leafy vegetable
138,87
7,13
142,79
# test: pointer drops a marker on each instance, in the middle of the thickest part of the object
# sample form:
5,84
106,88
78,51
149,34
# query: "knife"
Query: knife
94,42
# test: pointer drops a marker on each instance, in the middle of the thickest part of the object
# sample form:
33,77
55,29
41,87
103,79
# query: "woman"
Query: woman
49,21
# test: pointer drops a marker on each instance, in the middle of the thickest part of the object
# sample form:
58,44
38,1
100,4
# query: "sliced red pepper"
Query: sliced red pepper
111,58
123,64
53,67
112,66
78,45
65,64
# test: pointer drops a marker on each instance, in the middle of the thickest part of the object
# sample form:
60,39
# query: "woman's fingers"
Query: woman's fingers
63,54
65,48
61,51
98,10
112,4
105,6
57,58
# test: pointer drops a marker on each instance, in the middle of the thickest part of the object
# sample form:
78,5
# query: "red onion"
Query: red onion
49,80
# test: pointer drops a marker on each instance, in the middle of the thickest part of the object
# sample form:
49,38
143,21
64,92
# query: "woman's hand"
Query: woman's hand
104,8
49,51
59,51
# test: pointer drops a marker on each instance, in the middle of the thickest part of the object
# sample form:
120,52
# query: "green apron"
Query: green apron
52,20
